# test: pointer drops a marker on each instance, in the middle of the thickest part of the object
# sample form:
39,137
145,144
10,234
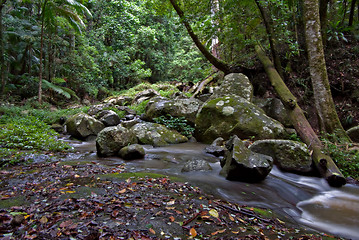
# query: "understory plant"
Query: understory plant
176,123
346,156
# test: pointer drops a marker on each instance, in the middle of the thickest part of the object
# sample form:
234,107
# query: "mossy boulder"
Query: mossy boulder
134,151
241,164
156,134
111,139
180,107
82,126
235,84
288,155
109,118
233,115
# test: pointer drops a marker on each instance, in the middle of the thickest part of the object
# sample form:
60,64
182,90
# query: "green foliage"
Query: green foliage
140,108
177,123
121,114
345,156
30,134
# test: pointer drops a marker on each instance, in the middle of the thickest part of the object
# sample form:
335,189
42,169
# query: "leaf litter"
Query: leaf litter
76,201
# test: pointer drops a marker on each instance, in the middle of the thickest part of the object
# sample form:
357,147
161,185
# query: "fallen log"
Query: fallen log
324,163
204,83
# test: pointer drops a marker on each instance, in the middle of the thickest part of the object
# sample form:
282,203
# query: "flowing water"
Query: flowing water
308,201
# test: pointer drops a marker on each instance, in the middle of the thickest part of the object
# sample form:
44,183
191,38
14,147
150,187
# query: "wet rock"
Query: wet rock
156,135
288,155
353,133
235,84
109,118
196,165
130,123
82,126
183,107
241,164
111,139
216,148
145,95
134,151
227,116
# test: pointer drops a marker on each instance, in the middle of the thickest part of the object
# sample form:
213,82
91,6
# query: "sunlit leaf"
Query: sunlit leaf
193,232
213,213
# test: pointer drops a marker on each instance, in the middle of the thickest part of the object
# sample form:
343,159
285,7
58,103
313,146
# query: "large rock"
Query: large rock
82,125
109,118
95,109
134,151
119,100
275,109
288,155
111,139
145,95
182,107
241,164
235,84
227,116
156,135
353,133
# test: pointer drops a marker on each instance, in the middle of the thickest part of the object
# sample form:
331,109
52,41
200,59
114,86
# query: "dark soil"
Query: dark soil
79,200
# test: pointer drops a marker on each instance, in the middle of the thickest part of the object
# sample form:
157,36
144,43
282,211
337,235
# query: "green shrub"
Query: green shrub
140,108
346,159
177,123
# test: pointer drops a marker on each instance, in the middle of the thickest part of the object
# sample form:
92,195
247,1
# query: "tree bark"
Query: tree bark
268,23
351,15
327,116
2,59
325,165
323,13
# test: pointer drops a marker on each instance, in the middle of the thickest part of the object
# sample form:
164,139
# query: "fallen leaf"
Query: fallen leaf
193,232
172,202
213,213
122,191
152,231
43,220
172,219
65,224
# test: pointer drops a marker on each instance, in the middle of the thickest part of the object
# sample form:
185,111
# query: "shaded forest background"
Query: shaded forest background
75,50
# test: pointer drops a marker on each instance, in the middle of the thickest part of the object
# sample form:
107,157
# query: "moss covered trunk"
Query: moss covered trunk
325,165
327,115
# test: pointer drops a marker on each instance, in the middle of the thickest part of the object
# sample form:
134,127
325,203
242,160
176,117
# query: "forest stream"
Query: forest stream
302,200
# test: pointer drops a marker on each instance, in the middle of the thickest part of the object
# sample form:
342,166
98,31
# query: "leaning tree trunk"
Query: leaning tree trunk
323,162
327,115
268,23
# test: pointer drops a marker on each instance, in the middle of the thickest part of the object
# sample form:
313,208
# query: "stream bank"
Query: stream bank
82,196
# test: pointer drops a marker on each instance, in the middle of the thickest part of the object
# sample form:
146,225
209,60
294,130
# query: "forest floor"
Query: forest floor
86,200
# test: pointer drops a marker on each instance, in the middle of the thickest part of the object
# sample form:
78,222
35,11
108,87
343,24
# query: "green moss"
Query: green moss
267,213
13,201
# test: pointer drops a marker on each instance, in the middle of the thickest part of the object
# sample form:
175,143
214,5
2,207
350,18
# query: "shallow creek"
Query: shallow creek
307,201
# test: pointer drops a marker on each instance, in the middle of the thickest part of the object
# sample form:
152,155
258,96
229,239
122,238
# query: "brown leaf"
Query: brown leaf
152,231
122,191
65,224
172,219
43,220
193,232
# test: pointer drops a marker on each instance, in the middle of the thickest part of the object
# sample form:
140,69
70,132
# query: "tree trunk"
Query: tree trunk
323,13
268,23
212,59
2,59
41,50
351,15
327,115
323,163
